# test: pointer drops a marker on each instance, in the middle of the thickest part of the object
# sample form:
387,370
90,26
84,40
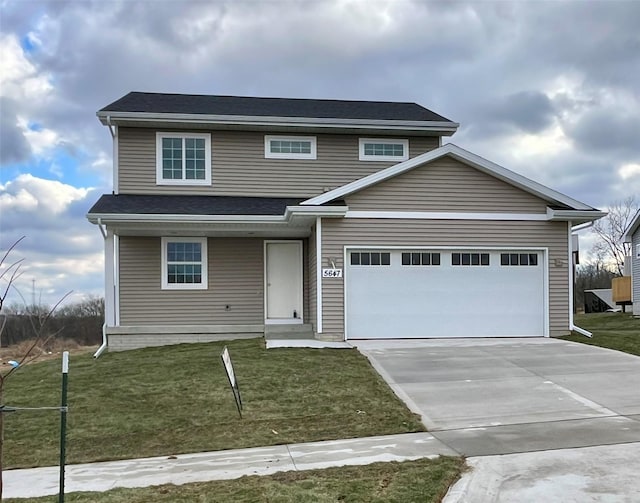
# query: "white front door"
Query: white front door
283,281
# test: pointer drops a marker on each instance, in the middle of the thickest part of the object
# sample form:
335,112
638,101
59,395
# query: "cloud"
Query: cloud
547,89
14,146
61,250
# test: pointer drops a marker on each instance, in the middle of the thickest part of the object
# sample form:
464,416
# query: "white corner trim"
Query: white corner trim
319,275
268,154
571,268
116,277
460,154
115,163
438,215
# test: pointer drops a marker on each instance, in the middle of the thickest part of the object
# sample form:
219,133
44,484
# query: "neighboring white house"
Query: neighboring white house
632,235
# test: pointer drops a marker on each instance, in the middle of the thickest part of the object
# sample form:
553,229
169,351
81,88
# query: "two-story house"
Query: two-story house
350,219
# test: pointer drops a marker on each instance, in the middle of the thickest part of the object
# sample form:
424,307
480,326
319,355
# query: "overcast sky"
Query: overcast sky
547,89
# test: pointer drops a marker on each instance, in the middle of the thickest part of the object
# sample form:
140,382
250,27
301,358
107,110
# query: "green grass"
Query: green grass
619,331
421,481
176,399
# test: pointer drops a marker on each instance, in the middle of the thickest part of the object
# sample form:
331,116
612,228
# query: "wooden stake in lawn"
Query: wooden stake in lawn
233,382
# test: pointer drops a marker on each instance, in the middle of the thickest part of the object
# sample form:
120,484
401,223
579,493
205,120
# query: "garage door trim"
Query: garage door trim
380,247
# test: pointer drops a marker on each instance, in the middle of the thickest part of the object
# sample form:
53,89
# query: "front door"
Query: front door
283,278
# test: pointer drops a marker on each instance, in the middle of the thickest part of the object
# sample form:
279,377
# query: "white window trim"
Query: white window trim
204,267
278,155
207,158
387,141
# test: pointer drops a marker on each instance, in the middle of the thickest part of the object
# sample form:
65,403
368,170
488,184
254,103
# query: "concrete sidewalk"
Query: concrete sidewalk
219,465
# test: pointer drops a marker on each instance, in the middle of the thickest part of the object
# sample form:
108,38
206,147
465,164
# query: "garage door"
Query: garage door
444,293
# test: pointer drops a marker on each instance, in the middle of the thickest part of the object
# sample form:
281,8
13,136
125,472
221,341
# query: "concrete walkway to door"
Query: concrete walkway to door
492,399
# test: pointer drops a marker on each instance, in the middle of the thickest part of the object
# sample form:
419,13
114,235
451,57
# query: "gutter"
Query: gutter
101,349
286,218
108,117
581,331
572,326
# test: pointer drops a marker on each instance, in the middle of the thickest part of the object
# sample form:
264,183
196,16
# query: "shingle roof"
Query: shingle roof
129,204
271,107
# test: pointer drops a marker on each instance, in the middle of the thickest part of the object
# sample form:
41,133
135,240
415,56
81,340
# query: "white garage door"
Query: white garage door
444,293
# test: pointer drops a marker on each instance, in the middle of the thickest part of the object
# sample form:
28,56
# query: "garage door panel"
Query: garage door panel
399,301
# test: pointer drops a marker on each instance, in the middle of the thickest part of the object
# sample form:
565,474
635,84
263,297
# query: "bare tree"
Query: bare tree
610,231
9,273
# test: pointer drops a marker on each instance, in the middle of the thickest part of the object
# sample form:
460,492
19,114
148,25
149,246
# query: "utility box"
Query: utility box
621,291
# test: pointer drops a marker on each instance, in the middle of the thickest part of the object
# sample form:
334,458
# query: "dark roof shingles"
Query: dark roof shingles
271,107
191,205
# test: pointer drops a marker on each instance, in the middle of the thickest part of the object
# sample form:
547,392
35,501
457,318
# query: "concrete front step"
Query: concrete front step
288,331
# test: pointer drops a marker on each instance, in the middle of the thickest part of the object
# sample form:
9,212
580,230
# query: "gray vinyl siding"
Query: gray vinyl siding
336,234
635,272
235,271
239,166
446,185
236,279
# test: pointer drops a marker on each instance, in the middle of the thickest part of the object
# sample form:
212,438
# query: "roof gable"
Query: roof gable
445,185
551,196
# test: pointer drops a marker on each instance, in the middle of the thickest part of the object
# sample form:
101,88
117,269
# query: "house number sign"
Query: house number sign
332,273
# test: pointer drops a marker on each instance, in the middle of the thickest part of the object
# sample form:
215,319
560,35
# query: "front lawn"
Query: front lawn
423,481
620,331
176,399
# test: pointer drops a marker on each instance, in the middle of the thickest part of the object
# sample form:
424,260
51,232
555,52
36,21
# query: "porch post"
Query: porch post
319,275
109,283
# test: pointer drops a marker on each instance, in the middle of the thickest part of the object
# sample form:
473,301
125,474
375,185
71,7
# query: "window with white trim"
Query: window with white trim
184,263
183,158
383,149
289,147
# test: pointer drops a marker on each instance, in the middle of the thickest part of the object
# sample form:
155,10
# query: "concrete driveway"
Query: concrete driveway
540,419
499,396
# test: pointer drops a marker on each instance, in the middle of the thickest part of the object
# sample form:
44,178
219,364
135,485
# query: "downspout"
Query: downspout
573,327
103,346
113,129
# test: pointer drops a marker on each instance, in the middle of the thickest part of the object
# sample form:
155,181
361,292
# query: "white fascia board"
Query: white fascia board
315,211
251,120
462,155
291,211
444,215
575,215
633,226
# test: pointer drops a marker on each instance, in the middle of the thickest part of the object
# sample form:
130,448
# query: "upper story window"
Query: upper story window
383,149
183,159
289,147
184,263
